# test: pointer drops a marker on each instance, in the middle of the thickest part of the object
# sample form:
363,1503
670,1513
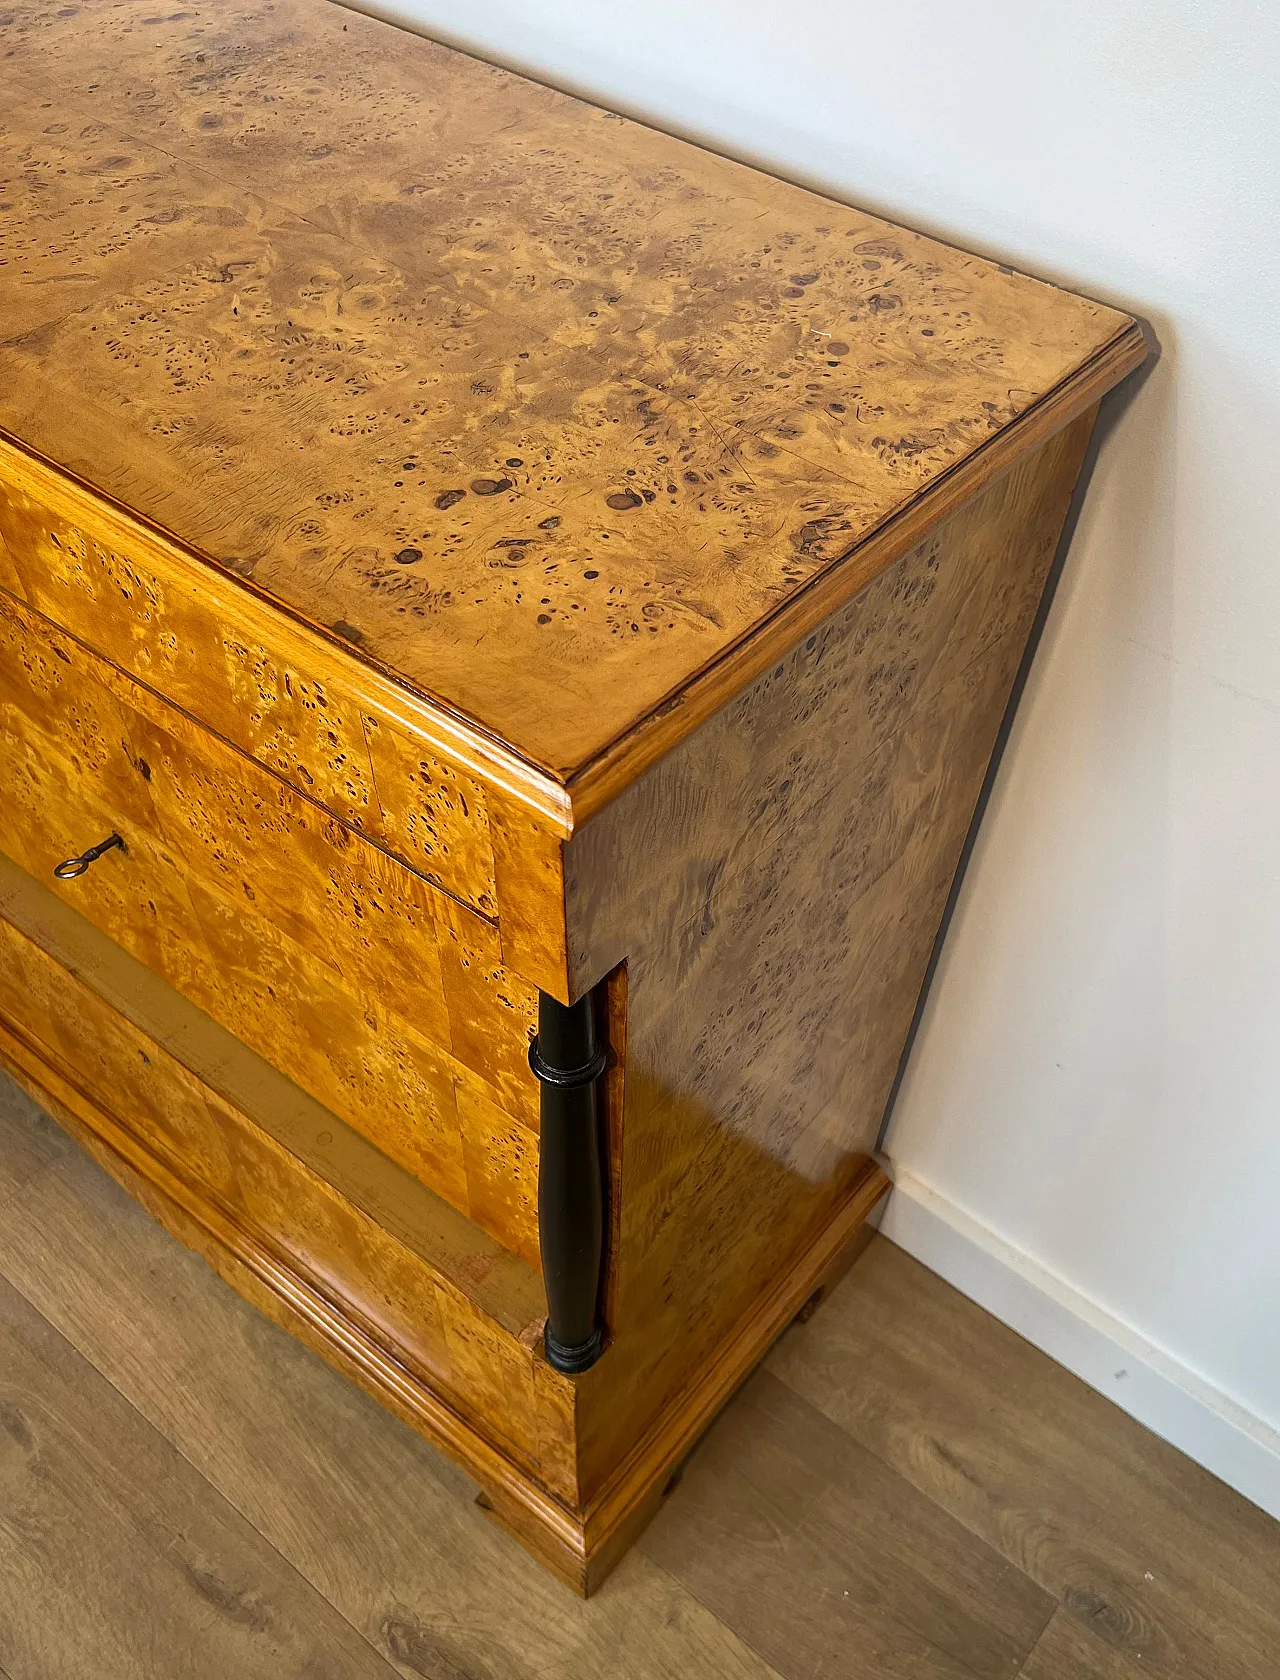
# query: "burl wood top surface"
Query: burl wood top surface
537,408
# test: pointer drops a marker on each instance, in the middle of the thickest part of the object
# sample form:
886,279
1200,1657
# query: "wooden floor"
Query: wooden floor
905,1490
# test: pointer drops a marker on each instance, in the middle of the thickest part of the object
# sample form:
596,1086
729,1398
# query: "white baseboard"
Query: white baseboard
1165,1395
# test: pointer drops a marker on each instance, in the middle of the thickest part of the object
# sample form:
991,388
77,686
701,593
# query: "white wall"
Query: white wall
1090,1125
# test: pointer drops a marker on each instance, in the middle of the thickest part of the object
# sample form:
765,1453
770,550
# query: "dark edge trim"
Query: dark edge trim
1111,408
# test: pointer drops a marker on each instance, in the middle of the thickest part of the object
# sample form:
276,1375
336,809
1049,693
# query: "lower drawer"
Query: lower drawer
254,1172
376,992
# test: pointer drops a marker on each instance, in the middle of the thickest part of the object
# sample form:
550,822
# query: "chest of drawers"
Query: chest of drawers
504,618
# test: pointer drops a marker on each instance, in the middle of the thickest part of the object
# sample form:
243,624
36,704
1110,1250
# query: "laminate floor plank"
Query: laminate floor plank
1066,1650
378,1523
906,1491
117,1560
879,1581
1150,1553
29,1140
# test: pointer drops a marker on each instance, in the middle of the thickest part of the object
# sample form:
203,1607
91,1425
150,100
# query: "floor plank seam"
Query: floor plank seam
1012,1568
962,1671
747,1644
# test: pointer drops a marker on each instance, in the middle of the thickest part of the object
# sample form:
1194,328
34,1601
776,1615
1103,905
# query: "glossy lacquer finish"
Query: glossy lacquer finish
440,354
520,608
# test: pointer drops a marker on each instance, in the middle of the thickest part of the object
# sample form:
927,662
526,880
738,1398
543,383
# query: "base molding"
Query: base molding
580,1546
1116,1360
633,1493
248,1263
583,1553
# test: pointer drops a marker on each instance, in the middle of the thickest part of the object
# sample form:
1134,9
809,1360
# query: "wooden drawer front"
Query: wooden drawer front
208,646
447,1302
380,995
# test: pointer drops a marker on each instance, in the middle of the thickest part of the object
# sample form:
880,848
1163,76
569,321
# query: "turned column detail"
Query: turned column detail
568,1063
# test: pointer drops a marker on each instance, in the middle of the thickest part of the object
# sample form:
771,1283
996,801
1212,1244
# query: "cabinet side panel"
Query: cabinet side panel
775,886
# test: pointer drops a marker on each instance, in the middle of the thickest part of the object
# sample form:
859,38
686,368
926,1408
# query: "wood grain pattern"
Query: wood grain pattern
280,697
501,1286
419,804
782,755
386,1000
673,721
283,1185
629,1497
776,885
883,1581
1068,1651
277,688
1160,1565
98,1511
764,1018
363,1509
466,362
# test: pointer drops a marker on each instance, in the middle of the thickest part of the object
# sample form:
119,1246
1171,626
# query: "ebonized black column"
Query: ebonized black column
568,1062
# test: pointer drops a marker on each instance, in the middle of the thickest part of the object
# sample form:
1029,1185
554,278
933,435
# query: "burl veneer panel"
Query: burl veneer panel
776,885
441,358
457,808
278,921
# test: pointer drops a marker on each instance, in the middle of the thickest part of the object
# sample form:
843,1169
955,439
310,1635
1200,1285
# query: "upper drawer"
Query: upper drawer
371,988
466,823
